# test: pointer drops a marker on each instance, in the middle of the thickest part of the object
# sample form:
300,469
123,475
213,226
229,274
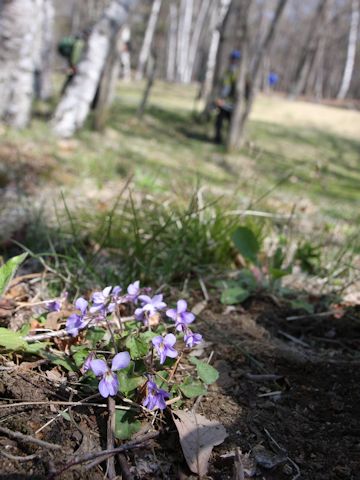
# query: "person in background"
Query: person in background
227,96
273,79
72,49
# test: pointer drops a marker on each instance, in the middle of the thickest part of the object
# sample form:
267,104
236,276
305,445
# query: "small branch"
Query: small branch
18,458
294,339
266,377
238,466
71,404
125,469
64,333
310,315
110,437
104,453
29,439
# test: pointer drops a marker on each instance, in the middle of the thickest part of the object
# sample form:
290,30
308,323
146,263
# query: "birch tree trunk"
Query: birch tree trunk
184,32
75,104
171,53
149,35
107,83
47,50
351,51
19,23
244,105
218,17
195,38
306,59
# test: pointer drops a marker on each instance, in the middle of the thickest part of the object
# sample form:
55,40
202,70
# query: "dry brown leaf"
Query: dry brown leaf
53,319
198,436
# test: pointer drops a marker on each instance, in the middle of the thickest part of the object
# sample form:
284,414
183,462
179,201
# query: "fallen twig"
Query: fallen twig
125,469
310,315
238,466
104,453
111,473
294,339
283,450
64,333
71,404
18,458
29,439
266,377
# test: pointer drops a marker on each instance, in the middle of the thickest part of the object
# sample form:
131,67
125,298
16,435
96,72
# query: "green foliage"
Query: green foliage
11,340
191,388
206,372
309,256
138,347
7,271
247,244
129,383
234,295
125,424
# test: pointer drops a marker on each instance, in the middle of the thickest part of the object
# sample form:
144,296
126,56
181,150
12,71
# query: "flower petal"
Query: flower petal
171,352
104,388
188,317
99,367
169,340
171,313
181,306
81,304
121,360
106,291
156,341
145,299
112,384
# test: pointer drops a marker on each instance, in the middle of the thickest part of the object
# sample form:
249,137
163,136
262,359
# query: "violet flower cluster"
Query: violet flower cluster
148,310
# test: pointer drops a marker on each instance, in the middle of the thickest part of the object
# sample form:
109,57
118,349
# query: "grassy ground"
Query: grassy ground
317,146
299,157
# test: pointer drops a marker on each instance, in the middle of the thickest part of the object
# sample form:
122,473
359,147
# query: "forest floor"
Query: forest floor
288,393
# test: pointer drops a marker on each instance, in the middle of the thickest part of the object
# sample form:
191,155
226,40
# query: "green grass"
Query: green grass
295,152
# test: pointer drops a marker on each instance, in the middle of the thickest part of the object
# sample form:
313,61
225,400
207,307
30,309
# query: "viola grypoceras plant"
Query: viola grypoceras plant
152,348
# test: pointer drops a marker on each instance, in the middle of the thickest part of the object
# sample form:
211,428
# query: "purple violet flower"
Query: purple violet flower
181,317
192,339
109,383
102,301
155,397
150,306
54,306
87,364
164,346
76,321
133,292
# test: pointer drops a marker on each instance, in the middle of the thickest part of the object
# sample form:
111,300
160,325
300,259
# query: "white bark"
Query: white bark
125,57
216,22
351,51
171,53
75,104
148,38
46,50
195,38
19,22
184,37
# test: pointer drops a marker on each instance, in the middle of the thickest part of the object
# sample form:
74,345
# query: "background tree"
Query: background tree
20,54
245,100
149,34
351,50
76,102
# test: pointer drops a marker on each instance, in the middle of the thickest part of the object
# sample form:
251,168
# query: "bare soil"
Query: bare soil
305,423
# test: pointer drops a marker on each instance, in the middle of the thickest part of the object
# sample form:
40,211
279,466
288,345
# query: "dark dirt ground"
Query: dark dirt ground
305,424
